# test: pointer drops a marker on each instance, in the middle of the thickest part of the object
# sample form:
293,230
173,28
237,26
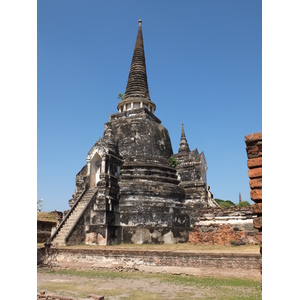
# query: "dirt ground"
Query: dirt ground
118,284
151,286
141,287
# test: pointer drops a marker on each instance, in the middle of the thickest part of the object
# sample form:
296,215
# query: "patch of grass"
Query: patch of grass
190,287
81,290
66,289
145,295
105,274
208,281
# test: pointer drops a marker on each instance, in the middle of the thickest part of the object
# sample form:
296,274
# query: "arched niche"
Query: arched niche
95,169
96,161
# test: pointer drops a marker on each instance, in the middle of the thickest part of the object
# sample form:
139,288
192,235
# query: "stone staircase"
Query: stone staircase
58,238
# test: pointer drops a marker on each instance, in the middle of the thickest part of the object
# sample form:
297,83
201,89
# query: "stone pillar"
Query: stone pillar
108,167
103,165
254,154
89,167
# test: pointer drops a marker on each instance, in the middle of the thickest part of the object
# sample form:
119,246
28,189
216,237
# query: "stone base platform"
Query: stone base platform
242,265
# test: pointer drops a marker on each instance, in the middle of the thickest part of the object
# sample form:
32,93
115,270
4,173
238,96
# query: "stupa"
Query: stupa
128,192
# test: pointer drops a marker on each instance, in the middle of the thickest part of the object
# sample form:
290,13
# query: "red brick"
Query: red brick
254,162
255,183
257,208
257,222
250,138
256,194
255,173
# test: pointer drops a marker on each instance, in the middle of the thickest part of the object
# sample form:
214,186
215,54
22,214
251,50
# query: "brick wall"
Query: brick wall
254,154
116,258
224,226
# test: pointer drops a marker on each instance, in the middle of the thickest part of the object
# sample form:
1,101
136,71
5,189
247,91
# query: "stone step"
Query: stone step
69,223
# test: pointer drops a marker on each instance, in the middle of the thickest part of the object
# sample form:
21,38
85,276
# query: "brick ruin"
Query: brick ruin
235,226
127,191
224,226
254,154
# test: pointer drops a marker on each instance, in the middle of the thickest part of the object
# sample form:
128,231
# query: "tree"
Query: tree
224,203
121,96
40,205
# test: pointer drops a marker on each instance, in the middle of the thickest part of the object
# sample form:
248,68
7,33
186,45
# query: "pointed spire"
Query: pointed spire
137,84
184,148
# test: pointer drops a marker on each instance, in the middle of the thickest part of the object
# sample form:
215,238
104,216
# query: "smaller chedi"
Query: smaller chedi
191,168
128,192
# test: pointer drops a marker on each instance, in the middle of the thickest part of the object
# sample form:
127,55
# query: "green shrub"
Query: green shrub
225,204
173,162
243,204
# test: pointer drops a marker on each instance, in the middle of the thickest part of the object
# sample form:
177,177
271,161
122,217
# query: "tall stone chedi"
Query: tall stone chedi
127,192
151,199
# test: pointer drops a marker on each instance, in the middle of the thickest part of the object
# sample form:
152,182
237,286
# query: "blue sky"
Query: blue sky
204,67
